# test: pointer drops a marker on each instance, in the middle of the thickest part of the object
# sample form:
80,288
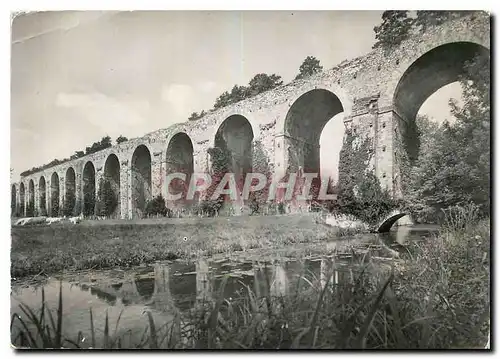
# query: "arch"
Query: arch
13,201
70,192
388,222
431,71
54,195
110,187
180,159
303,125
22,199
233,141
31,198
141,179
88,189
42,196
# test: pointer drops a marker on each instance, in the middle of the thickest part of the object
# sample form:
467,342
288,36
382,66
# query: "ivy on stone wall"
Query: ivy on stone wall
43,207
359,191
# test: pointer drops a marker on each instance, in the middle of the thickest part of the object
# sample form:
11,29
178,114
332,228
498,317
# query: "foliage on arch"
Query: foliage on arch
397,25
107,201
359,191
453,166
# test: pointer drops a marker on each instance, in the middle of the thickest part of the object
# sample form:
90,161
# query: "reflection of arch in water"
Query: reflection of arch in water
183,287
204,285
145,287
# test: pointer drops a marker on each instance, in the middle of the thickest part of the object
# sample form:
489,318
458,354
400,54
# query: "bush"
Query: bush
30,209
156,207
107,201
210,207
370,204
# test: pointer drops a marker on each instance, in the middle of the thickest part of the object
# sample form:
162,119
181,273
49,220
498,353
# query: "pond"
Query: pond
166,288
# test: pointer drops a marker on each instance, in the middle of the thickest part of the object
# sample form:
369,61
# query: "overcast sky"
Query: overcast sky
78,76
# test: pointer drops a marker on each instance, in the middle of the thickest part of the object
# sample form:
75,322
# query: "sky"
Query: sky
79,76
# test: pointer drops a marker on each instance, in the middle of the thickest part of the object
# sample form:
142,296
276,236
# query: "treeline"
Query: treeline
258,84
104,143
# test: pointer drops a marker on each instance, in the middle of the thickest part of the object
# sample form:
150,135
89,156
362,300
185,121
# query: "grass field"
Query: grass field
106,244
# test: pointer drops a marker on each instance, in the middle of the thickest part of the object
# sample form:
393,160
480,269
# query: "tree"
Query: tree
309,67
121,139
223,100
107,198
69,204
394,29
157,206
195,116
263,82
454,166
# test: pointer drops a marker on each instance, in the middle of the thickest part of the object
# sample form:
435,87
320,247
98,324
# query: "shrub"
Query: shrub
156,207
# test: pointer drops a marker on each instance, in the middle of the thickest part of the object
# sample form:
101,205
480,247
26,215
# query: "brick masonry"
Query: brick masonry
378,93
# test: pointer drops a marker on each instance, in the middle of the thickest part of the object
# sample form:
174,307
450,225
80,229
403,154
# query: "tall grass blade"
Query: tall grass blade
58,340
92,329
153,341
361,339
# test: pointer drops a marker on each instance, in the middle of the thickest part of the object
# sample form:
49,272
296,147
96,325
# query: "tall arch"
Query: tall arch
304,123
70,192
303,126
54,195
233,143
13,201
141,180
179,159
22,199
111,186
89,189
42,196
433,70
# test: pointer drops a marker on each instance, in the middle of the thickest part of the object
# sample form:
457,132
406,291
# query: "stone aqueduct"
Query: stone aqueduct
379,94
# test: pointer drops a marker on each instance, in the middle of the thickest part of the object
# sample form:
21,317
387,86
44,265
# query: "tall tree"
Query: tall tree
454,168
309,67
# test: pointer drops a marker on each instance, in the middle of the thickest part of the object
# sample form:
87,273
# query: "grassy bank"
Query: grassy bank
49,249
438,300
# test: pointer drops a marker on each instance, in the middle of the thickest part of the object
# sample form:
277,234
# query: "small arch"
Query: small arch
31,198
88,189
54,195
22,199
70,195
180,159
141,180
388,222
13,201
42,196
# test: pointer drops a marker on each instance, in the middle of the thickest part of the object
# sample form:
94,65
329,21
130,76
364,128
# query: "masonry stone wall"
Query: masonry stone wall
366,86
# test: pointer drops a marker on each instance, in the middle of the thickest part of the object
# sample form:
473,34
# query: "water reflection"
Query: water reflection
165,288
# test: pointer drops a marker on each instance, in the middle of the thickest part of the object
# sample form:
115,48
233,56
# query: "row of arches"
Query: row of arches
303,126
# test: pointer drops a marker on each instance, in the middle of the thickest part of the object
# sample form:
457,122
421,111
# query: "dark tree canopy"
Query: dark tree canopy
121,139
309,67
